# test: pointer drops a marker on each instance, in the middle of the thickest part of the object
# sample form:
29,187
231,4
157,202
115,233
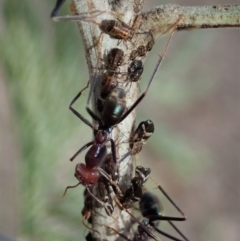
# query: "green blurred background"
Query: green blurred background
194,152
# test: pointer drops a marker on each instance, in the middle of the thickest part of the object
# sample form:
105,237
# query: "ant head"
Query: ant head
86,176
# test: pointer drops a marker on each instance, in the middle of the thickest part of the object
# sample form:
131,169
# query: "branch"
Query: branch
159,21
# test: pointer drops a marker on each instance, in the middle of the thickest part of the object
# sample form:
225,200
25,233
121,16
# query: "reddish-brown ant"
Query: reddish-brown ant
114,111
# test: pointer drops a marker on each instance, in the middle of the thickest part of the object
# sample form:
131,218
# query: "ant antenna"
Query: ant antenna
68,187
177,230
95,76
168,197
164,51
85,16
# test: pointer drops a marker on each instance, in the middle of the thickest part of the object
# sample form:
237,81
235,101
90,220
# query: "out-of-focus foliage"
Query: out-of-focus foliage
42,62
44,65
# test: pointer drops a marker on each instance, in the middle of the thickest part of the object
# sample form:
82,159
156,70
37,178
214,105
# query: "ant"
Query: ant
114,111
134,192
139,138
89,177
152,209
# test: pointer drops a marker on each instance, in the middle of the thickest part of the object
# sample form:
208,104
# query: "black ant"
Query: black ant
139,138
114,111
134,192
152,209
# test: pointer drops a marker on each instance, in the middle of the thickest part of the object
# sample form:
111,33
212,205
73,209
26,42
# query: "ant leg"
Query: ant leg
151,234
93,115
109,178
79,94
56,8
178,231
125,156
90,112
153,74
168,197
70,187
153,218
113,149
85,16
166,234
81,149
76,112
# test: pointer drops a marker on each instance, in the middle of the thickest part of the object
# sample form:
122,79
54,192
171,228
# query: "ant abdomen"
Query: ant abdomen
114,107
85,175
150,205
114,59
109,82
135,70
116,29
